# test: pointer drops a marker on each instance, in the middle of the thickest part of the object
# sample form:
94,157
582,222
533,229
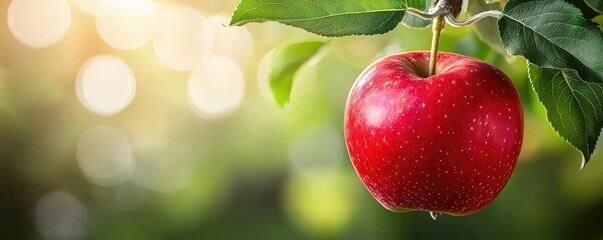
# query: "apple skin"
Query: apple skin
446,143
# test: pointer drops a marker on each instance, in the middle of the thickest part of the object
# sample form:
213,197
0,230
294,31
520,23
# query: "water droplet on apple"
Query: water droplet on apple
433,215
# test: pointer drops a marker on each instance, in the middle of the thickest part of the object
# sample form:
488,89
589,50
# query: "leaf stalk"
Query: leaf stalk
438,25
445,11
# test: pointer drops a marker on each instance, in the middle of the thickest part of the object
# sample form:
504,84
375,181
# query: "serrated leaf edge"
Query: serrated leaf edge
239,23
584,161
561,2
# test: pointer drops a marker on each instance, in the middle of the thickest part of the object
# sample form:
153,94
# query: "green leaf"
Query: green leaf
284,65
413,21
487,28
328,18
574,107
599,20
596,5
553,34
587,11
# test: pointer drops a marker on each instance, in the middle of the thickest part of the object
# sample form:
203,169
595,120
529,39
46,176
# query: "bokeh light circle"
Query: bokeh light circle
39,23
163,165
88,6
217,87
126,25
321,205
183,39
105,156
59,215
235,42
105,85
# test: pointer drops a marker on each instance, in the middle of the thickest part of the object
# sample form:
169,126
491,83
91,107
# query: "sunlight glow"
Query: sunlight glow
39,23
217,87
87,6
105,85
183,40
235,42
126,25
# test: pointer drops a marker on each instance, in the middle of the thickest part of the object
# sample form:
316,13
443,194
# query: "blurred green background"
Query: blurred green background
145,119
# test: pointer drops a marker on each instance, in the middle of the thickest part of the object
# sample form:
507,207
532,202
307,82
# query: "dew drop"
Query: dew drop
434,215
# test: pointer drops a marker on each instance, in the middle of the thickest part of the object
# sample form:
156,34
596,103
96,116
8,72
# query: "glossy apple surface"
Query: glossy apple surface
446,143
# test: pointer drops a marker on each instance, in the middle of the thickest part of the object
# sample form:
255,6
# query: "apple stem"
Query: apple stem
433,215
438,25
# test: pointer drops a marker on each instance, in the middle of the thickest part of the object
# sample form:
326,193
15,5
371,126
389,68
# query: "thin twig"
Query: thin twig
437,11
473,19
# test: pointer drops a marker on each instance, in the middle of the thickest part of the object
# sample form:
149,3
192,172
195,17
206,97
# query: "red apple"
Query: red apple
445,143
